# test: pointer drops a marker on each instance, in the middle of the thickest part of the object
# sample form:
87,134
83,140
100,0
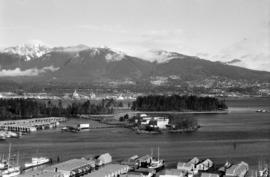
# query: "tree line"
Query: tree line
32,108
177,103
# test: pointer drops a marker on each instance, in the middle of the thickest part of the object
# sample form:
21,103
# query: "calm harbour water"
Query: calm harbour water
243,134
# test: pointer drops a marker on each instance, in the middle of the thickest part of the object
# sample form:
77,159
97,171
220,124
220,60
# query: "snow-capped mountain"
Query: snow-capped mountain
114,55
110,54
83,64
36,49
30,50
161,56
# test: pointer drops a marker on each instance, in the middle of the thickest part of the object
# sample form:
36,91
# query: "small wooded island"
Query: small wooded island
154,122
177,103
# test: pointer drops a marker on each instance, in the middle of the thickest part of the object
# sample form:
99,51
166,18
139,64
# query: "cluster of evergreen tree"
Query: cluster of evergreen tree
105,107
177,103
30,108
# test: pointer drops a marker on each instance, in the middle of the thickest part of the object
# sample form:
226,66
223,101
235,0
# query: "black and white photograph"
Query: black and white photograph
134,88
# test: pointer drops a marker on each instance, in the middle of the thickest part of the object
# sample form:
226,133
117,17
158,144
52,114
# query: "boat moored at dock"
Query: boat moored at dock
11,170
157,163
36,161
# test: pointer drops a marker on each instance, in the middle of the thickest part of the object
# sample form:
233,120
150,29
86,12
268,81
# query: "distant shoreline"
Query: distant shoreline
130,112
158,112
184,112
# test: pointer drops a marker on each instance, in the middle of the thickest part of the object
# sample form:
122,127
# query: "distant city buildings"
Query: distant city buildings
210,87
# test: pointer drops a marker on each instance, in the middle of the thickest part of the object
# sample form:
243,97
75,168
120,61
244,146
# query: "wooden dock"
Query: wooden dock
31,125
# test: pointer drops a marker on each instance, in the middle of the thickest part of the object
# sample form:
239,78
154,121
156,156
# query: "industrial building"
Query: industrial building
111,170
73,167
141,172
205,165
132,161
238,170
132,174
173,173
42,174
104,159
188,166
204,174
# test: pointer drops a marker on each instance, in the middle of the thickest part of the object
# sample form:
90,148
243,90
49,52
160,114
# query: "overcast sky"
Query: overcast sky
197,27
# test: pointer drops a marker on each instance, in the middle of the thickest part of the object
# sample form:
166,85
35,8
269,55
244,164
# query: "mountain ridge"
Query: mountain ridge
83,64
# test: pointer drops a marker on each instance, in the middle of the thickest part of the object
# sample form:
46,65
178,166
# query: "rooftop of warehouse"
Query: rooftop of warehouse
70,165
173,172
41,174
106,170
234,168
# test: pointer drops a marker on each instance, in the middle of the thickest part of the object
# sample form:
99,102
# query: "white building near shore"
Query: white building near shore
158,122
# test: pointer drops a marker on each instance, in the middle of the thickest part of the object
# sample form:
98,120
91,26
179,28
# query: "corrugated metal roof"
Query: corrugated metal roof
185,165
235,170
41,174
70,165
173,172
194,161
209,175
105,157
132,175
108,169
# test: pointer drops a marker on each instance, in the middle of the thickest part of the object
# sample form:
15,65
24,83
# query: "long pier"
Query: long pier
31,125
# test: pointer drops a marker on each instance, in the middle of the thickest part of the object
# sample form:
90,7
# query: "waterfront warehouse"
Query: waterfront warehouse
104,159
205,174
131,161
188,166
73,167
42,174
205,165
173,173
110,170
238,170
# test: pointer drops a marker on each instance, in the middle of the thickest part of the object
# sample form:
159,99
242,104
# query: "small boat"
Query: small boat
3,165
11,170
37,161
70,129
157,164
13,134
